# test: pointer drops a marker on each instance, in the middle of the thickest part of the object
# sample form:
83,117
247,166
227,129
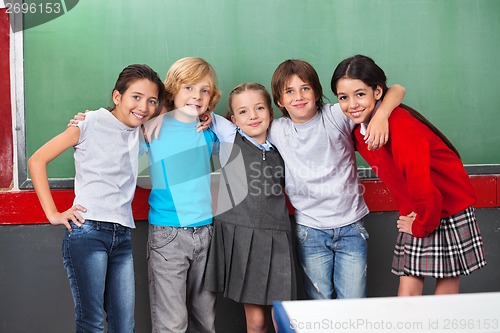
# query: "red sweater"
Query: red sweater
423,174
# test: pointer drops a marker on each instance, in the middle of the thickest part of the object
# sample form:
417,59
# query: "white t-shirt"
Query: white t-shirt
106,163
320,168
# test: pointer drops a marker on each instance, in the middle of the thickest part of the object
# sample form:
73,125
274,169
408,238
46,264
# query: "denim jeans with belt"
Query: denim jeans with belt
334,261
98,259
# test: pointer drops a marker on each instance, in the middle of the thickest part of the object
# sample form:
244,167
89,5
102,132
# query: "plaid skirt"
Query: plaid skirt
454,248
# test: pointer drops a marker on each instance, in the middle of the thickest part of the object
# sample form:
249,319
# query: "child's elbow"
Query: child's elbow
31,162
34,162
400,89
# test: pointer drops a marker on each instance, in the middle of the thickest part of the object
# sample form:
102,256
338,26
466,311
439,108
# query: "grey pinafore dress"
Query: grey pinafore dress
251,257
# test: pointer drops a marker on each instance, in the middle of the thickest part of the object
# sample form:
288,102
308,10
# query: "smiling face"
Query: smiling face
252,114
137,103
192,100
299,100
357,99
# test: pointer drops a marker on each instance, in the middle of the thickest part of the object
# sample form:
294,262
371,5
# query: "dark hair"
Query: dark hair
363,68
135,72
253,86
305,71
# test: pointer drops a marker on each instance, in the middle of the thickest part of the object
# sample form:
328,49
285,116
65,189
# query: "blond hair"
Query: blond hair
190,70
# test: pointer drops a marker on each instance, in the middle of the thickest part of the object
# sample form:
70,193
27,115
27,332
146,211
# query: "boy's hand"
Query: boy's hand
80,116
377,133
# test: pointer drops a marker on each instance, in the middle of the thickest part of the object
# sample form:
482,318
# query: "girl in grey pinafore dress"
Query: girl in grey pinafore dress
251,256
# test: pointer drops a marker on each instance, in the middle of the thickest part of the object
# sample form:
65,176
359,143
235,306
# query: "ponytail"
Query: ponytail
433,128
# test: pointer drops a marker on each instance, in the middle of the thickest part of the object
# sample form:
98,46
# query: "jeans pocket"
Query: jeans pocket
77,232
210,230
302,233
360,226
160,236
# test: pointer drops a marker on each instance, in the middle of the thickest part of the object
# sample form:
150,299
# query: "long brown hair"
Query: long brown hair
363,68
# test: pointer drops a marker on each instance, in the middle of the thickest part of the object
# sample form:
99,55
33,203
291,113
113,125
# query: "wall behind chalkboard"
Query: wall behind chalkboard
446,53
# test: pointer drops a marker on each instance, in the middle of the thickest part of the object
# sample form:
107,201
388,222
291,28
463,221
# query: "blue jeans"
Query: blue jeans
98,259
176,264
334,261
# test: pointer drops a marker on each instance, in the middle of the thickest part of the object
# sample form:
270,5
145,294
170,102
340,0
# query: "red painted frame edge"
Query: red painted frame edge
22,207
6,146
498,191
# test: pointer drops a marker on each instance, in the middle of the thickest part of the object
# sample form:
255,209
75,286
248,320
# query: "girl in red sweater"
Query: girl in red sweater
438,232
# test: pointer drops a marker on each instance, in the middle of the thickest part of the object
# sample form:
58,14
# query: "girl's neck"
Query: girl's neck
260,140
257,139
115,114
367,120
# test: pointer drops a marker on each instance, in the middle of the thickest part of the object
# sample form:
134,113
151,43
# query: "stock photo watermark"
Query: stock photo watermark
374,325
26,14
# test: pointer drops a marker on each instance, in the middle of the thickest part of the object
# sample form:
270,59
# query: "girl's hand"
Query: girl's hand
377,133
205,121
405,222
80,116
71,214
152,128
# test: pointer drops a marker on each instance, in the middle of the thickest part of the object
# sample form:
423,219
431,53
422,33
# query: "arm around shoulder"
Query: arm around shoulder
393,98
223,128
377,133
152,127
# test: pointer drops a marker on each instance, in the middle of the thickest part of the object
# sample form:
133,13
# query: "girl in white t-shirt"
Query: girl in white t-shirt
97,248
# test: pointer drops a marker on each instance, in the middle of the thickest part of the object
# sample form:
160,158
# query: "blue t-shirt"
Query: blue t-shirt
179,162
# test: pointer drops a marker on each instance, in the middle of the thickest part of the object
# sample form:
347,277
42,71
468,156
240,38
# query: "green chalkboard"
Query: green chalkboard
446,53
